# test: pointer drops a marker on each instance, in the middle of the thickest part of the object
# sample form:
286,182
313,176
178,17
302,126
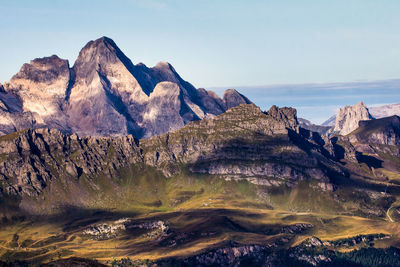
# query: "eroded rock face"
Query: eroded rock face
105,94
12,116
385,131
348,118
233,98
35,158
244,142
41,86
376,112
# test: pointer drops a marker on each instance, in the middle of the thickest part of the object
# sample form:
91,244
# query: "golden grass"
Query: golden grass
327,227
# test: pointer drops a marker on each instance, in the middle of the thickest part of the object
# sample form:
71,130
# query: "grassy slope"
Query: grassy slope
191,205
201,210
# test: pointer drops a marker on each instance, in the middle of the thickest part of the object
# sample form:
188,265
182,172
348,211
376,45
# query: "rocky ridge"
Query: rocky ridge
384,131
348,117
243,143
376,113
105,94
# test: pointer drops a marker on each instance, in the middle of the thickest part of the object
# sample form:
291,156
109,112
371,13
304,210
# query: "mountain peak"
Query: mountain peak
163,64
100,41
361,104
233,98
97,55
42,69
348,118
105,94
104,49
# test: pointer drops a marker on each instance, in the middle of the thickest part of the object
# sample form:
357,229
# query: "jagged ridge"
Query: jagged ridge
105,94
243,143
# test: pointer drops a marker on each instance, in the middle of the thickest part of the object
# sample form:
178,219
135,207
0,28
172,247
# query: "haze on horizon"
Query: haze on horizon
222,43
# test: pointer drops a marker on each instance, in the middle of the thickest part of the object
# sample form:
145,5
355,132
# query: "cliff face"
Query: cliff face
41,86
242,144
385,131
105,94
348,118
376,113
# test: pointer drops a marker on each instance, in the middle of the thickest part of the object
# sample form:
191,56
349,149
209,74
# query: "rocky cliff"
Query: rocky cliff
264,148
348,118
376,112
385,131
105,94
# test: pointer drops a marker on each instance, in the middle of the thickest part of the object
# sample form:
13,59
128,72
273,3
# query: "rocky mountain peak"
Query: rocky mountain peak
286,116
348,118
40,86
164,65
165,71
233,98
105,94
99,45
97,55
41,70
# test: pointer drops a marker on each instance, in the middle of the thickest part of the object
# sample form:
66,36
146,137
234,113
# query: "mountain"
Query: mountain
105,94
108,163
306,124
330,122
384,131
238,144
376,112
348,117
385,111
244,186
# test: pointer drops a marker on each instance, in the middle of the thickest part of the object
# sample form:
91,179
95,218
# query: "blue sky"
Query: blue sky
216,43
318,102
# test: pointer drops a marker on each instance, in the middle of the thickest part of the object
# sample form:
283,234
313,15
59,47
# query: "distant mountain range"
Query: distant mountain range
105,94
376,112
245,188
201,180
348,118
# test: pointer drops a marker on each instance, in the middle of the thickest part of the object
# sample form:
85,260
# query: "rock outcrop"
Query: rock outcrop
385,131
376,113
233,98
348,118
105,94
263,148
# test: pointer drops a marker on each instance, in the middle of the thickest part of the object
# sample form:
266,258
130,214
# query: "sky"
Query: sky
318,102
218,43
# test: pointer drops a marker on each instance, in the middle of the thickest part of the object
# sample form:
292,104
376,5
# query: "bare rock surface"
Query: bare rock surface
243,142
385,131
348,118
377,112
105,94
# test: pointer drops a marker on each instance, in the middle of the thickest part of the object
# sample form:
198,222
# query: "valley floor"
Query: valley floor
107,236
